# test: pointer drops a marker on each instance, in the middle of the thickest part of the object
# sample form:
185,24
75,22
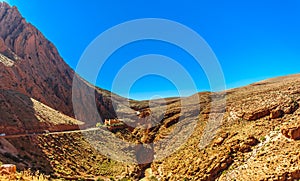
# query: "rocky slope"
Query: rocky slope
248,133
20,114
31,65
258,138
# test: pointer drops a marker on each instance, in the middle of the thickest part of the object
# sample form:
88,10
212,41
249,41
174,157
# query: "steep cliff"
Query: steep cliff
30,64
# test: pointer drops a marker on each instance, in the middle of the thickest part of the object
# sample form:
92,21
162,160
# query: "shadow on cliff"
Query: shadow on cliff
17,116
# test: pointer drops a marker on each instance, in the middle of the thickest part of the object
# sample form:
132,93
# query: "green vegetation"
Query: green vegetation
117,124
152,178
124,179
99,125
262,138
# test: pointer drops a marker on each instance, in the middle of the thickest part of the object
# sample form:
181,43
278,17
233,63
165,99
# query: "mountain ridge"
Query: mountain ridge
37,70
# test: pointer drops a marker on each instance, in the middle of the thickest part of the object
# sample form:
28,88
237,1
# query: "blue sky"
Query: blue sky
252,40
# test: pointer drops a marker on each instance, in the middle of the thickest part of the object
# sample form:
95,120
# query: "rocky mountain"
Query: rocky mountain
257,138
30,64
247,133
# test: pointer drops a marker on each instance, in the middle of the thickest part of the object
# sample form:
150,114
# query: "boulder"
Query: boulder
291,108
277,113
251,140
244,148
8,169
219,141
292,130
256,114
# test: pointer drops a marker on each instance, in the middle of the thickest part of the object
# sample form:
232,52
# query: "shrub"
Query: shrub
152,178
262,138
98,125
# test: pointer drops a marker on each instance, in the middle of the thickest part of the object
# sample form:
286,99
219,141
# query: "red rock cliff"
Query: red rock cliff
38,71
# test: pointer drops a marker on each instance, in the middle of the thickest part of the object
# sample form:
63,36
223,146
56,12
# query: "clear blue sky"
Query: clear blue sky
252,40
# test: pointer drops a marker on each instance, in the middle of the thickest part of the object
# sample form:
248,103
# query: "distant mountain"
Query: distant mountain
31,65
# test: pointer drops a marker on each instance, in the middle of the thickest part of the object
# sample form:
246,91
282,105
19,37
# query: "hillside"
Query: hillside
247,133
20,114
31,65
258,138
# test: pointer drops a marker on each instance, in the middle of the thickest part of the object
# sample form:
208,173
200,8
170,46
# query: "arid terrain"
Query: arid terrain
246,133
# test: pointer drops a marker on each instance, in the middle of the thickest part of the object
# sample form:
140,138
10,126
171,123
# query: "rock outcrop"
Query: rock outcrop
292,130
30,64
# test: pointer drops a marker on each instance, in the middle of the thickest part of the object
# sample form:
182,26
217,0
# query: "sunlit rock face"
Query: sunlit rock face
30,64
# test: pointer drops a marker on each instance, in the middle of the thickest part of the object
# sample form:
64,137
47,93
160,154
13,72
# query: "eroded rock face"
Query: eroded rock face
292,130
38,70
277,113
41,74
272,105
